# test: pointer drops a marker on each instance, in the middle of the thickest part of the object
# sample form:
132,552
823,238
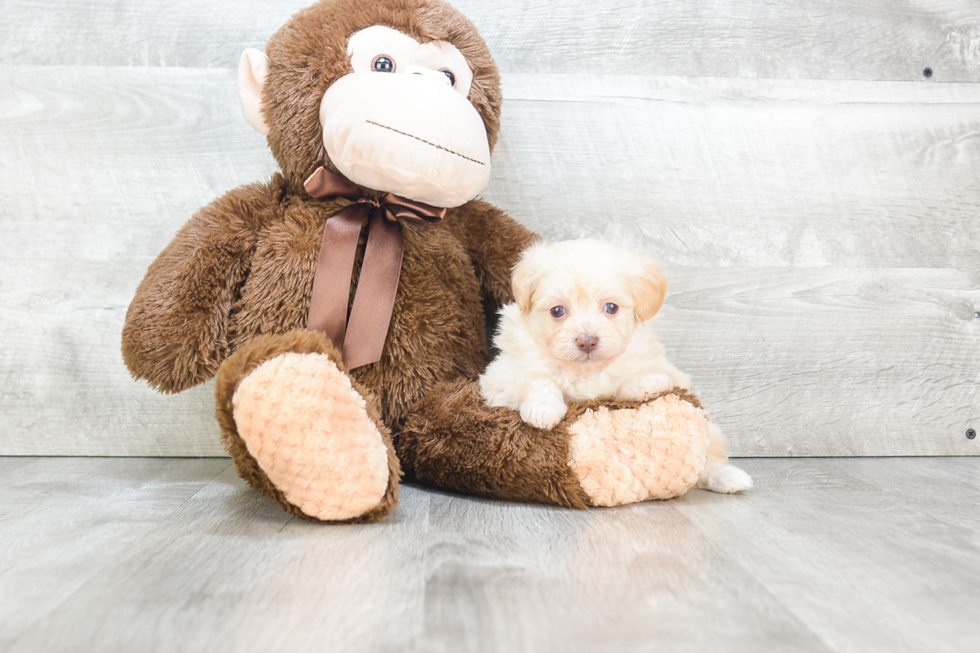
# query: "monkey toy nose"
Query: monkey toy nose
587,343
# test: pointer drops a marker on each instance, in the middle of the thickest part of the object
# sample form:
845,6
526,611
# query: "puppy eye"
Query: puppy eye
558,312
383,64
611,308
451,76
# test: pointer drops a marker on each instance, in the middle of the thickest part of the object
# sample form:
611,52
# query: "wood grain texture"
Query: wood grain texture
798,39
853,547
529,579
823,555
821,239
229,571
66,521
739,173
92,190
793,248
809,362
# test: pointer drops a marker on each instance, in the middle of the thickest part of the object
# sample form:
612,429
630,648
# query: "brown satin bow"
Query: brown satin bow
362,338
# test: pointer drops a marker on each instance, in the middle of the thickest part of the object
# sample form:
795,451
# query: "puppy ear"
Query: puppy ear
526,276
649,289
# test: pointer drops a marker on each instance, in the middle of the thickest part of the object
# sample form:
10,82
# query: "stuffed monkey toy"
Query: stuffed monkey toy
341,304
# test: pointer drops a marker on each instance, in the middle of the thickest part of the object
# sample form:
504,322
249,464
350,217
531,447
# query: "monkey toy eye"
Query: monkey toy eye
383,64
558,312
610,308
451,76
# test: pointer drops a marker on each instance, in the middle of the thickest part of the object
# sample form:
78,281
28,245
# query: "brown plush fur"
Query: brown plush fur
455,441
177,327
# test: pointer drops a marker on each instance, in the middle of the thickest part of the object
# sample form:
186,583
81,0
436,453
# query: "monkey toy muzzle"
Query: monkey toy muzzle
411,135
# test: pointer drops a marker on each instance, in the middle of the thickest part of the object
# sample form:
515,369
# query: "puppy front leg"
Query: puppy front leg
719,475
543,405
680,379
648,386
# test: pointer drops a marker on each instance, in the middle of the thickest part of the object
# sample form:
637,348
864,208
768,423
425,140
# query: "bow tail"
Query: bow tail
374,299
363,335
334,270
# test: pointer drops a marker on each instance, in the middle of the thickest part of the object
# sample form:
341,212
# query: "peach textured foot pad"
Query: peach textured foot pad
309,431
656,451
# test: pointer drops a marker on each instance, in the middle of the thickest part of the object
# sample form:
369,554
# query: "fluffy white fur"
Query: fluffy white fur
581,328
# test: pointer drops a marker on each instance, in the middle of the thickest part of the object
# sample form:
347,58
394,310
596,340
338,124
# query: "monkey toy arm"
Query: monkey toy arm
176,331
494,241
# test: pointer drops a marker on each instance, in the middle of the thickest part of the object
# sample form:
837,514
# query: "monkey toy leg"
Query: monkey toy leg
601,454
303,433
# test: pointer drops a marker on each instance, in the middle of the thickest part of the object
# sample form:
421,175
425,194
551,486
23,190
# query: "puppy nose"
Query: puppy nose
587,343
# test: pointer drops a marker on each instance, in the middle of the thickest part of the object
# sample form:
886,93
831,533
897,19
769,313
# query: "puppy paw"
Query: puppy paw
543,413
725,479
646,387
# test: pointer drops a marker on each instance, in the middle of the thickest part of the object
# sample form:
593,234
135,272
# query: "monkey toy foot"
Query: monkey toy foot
301,433
655,450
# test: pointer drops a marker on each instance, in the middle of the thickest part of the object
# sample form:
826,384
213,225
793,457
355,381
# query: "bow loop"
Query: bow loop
406,209
324,184
361,337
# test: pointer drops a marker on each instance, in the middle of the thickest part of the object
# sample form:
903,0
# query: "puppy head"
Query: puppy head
583,299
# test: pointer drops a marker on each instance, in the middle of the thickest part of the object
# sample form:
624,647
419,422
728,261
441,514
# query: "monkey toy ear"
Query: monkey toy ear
252,69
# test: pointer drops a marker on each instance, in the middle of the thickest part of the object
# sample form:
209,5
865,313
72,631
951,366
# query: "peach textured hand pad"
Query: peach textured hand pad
656,451
310,432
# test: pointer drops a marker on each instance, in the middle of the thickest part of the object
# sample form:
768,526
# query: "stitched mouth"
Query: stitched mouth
422,140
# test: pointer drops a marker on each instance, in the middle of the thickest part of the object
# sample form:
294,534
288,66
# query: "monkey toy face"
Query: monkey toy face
399,110
400,122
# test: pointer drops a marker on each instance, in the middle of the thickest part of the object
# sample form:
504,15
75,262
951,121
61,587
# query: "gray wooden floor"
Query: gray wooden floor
134,554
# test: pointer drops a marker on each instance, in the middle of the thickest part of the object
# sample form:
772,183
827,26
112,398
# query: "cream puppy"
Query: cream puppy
581,329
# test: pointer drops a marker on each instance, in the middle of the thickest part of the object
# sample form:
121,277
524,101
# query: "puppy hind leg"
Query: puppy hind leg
719,475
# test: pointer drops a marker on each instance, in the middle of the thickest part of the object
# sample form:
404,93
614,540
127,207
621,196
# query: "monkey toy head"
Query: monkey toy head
398,96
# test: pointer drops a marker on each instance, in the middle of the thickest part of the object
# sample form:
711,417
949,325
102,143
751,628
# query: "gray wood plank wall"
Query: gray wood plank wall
814,198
